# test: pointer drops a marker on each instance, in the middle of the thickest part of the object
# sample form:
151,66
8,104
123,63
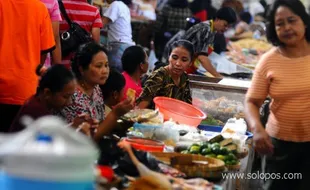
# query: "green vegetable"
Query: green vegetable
194,149
217,138
232,156
228,162
215,145
209,121
185,152
211,155
223,150
206,151
216,150
221,157
233,162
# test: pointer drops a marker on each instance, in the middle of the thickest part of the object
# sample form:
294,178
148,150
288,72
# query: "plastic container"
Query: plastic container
146,144
179,111
218,129
48,155
106,172
148,131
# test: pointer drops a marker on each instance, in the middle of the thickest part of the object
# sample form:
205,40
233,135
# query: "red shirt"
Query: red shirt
33,108
86,15
131,84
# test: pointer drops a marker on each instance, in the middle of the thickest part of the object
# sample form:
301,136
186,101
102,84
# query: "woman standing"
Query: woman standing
283,74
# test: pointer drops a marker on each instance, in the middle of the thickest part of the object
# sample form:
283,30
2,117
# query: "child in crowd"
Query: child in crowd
113,90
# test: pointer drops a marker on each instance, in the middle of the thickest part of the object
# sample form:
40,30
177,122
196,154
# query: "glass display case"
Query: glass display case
218,101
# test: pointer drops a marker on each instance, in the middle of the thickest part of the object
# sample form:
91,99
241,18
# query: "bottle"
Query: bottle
48,155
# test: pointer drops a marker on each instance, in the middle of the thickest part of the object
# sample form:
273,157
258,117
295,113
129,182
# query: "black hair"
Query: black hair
185,44
127,2
84,56
55,78
228,14
297,8
115,82
191,21
132,57
246,17
182,4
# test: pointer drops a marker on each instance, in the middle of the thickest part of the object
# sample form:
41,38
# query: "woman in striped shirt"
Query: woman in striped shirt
283,75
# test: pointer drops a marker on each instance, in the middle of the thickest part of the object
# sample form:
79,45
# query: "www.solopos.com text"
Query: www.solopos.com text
262,176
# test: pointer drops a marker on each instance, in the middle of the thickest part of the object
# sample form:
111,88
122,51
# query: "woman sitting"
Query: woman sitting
171,80
54,92
113,90
135,64
90,66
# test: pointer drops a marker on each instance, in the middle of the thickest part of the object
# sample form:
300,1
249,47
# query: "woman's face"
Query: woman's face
289,27
98,70
179,61
145,65
61,99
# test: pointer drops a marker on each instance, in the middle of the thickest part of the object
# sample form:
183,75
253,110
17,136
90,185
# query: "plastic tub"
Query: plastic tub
179,111
147,145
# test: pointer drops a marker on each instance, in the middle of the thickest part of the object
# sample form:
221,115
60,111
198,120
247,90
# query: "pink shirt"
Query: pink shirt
131,84
54,12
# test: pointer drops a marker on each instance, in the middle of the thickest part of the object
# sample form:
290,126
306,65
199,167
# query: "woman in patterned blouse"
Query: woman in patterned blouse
91,67
171,80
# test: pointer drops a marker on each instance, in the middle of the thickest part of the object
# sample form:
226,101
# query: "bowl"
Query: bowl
147,145
179,111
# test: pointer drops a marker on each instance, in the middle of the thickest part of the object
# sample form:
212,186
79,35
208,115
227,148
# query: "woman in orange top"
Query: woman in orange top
283,74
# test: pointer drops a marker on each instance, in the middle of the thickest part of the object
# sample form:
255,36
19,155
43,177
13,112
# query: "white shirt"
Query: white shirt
119,29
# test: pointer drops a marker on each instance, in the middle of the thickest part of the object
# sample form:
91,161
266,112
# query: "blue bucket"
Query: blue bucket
16,183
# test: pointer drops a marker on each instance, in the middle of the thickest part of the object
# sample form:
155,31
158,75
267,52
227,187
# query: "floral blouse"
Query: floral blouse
160,83
82,103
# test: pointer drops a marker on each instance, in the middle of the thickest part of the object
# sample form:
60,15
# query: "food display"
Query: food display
219,103
258,45
247,52
144,116
217,147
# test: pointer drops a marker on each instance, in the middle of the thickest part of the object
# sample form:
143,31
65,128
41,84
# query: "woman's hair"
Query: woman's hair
246,17
185,44
84,56
55,78
115,82
132,57
228,14
297,8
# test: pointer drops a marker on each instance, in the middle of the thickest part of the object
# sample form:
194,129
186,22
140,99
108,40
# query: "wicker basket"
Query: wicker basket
233,167
213,169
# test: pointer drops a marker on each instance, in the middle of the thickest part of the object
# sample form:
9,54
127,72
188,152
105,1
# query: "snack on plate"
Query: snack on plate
131,95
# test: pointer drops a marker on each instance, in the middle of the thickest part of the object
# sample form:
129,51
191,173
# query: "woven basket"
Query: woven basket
213,169
233,167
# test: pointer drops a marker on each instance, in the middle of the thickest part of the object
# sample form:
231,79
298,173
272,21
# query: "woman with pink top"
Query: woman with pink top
135,64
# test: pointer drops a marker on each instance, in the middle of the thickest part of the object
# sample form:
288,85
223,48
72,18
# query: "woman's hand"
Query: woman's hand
262,141
125,146
84,118
123,107
85,128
